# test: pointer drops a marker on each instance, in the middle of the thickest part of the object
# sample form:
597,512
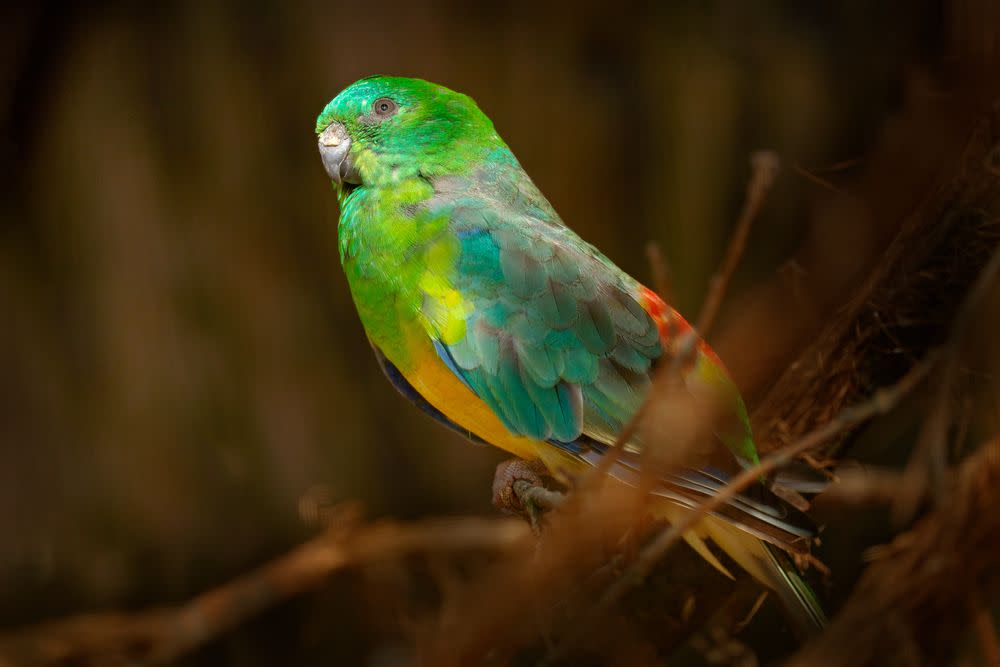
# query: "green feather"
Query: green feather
630,358
556,305
540,363
580,365
527,418
486,344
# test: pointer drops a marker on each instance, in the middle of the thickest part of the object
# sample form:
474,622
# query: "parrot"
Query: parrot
490,314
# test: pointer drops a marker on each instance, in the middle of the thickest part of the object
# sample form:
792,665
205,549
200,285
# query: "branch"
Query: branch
660,270
159,636
906,304
764,166
921,583
929,461
539,496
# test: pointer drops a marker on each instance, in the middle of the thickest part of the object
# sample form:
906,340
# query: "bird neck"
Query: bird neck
384,239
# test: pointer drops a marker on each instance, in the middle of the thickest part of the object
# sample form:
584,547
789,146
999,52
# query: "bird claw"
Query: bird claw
507,492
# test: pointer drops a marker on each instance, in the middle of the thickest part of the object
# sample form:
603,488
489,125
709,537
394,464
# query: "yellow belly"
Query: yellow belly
440,387
446,392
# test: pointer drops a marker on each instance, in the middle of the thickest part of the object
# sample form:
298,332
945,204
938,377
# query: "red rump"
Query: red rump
669,321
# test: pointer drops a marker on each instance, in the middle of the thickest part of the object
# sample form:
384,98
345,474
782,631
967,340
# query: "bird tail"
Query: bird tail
772,567
748,530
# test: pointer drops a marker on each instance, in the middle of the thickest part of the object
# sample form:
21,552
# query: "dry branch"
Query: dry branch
929,461
906,304
159,636
764,171
917,592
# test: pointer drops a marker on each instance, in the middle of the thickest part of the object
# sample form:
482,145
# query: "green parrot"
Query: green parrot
490,314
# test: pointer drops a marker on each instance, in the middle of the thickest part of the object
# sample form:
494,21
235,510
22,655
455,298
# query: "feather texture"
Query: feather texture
552,331
499,321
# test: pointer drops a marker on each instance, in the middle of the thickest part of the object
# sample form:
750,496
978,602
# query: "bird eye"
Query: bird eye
383,108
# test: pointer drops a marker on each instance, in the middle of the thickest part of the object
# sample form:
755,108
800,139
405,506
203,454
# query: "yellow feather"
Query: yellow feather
442,389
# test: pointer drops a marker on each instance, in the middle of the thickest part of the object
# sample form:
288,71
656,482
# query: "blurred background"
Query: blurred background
181,362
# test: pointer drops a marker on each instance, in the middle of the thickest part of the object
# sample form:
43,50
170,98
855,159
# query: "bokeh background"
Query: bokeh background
180,361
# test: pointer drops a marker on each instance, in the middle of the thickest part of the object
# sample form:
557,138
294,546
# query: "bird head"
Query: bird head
381,130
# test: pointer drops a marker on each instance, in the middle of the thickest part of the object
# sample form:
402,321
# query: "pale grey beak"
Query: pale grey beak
335,149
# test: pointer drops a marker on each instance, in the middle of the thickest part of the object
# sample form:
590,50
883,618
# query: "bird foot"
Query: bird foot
512,483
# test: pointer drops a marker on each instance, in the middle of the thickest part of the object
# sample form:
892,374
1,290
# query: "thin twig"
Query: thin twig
764,165
818,180
866,487
758,603
660,270
540,496
765,168
843,165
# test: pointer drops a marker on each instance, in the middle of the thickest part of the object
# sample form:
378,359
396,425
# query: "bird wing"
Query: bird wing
561,344
550,334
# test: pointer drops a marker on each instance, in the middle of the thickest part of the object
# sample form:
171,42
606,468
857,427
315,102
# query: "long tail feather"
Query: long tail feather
772,567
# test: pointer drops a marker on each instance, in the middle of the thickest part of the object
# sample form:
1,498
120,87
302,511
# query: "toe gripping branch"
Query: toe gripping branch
522,487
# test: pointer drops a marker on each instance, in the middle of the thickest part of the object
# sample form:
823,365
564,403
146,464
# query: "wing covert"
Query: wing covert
552,336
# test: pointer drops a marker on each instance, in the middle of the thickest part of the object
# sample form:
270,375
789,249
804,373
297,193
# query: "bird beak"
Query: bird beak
335,149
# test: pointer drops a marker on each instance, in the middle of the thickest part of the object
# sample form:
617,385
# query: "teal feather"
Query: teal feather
556,305
495,313
524,274
630,358
486,344
527,418
603,416
562,340
464,354
594,328
562,267
527,326
539,362
480,256
581,365
630,318
556,341
538,246
625,393
603,323
561,407
600,426
583,286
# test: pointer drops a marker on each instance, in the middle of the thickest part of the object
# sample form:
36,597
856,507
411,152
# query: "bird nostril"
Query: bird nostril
332,136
